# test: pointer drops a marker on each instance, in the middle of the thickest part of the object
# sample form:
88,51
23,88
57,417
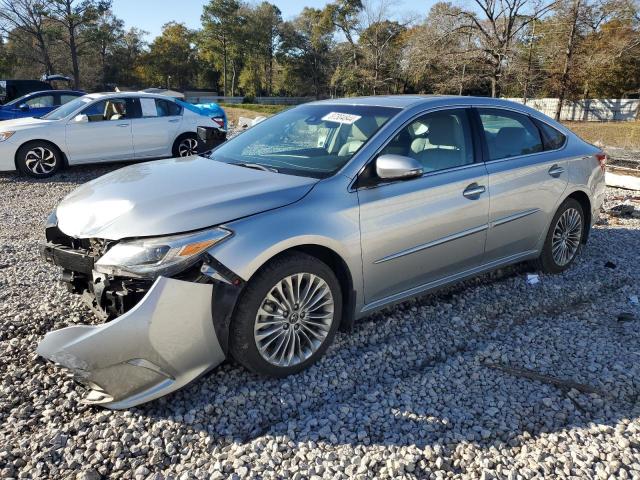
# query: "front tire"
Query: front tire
39,159
563,241
287,316
185,145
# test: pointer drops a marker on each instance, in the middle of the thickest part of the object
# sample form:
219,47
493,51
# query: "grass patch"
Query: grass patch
610,134
250,110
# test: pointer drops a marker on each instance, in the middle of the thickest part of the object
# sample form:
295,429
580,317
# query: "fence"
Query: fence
593,110
203,97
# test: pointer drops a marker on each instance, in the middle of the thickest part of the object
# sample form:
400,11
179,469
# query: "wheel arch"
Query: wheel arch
65,159
585,202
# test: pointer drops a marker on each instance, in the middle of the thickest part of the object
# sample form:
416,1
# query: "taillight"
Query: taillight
219,121
602,160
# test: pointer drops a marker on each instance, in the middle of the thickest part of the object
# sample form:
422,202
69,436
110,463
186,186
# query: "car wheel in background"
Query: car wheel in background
287,316
563,239
185,145
39,159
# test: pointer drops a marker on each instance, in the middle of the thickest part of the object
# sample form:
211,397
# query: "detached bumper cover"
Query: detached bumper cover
167,340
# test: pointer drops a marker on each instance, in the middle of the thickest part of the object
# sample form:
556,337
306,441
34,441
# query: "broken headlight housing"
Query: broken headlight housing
158,256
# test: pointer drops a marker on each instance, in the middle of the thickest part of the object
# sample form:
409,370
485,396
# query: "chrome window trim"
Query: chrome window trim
422,113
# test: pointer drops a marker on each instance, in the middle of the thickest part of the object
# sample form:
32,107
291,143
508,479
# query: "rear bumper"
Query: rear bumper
167,340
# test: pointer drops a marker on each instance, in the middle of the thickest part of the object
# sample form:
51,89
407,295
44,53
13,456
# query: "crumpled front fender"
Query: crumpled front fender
164,342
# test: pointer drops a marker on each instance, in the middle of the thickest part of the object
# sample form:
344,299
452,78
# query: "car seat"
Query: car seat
444,146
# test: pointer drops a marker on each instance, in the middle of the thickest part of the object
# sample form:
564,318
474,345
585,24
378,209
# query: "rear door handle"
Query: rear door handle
473,191
175,120
123,124
556,171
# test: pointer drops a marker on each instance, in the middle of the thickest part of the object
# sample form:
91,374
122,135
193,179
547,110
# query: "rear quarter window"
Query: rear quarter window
552,139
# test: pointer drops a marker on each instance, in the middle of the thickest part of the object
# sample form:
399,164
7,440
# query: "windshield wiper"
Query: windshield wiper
257,166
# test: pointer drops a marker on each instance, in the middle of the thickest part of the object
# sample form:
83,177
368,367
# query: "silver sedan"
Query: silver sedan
307,221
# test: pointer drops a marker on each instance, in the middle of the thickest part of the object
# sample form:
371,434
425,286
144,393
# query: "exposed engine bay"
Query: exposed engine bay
159,333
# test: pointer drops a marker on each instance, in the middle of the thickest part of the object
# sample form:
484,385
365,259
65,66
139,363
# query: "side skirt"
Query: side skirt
436,284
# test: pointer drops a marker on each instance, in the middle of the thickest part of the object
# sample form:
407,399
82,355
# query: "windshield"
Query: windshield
67,109
309,140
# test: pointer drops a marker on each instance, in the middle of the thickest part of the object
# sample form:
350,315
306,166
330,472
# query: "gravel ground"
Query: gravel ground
492,378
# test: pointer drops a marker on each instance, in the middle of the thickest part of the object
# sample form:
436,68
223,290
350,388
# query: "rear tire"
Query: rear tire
287,316
185,145
39,159
564,238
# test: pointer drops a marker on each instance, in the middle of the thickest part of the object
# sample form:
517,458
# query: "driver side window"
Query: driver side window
438,140
112,109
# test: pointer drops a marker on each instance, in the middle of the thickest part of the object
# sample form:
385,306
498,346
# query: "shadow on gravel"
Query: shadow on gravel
491,362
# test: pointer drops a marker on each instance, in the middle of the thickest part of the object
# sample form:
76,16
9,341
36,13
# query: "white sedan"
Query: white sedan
100,127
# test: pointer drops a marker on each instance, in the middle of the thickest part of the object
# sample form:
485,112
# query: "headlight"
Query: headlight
5,136
159,256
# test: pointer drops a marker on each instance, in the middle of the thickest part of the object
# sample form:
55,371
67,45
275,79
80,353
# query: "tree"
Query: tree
172,57
107,36
497,26
77,16
265,23
220,23
306,47
26,22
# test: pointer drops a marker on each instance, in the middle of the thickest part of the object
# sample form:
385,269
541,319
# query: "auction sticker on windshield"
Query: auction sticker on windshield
338,117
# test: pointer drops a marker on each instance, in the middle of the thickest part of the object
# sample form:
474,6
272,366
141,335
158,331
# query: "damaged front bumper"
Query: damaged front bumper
164,342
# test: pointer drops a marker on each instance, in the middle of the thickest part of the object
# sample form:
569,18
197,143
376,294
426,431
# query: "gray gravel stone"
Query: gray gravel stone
414,391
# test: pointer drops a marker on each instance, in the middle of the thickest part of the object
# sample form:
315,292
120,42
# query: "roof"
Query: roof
406,101
164,91
126,94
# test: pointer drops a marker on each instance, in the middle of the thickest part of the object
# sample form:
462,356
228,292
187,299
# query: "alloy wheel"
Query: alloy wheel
294,319
188,146
40,160
566,238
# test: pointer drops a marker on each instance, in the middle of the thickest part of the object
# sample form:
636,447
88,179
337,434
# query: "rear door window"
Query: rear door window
167,108
509,134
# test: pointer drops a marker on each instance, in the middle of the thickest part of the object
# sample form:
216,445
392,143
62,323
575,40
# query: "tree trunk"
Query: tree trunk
233,79
638,107
525,93
567,60
74,58
224,65
46,58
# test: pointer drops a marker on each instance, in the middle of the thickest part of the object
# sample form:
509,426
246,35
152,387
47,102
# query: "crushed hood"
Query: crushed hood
173,196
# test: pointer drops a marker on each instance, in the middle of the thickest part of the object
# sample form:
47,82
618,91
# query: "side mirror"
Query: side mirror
81,118
23,107
397,167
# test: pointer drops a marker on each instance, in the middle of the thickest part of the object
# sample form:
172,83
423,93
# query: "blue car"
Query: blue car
211,110
36,104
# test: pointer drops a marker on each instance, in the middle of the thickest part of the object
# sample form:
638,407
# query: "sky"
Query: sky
150,15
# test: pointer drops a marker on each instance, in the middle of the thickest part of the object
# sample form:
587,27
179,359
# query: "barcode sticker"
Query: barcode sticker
338,117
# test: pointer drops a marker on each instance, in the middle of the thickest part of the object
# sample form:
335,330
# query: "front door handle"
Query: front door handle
556,171
175,120
123,124
473,191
